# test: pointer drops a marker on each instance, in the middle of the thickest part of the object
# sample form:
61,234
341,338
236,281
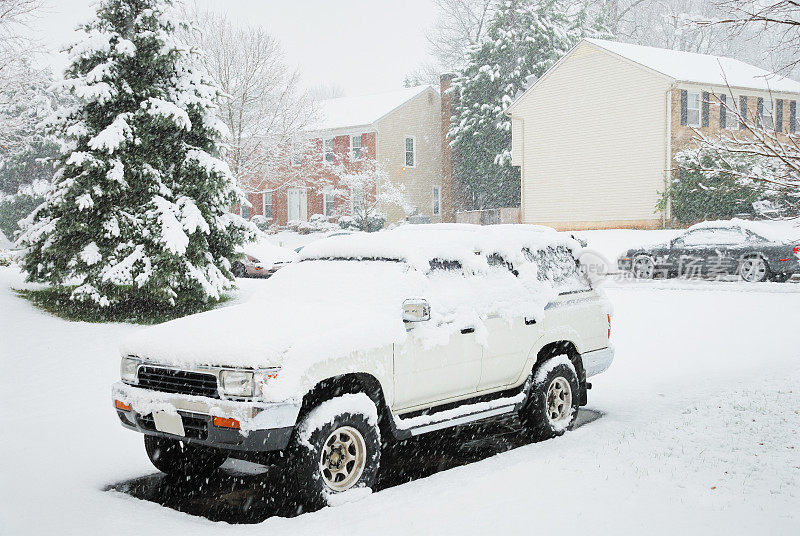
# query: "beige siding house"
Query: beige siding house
405,127
595,136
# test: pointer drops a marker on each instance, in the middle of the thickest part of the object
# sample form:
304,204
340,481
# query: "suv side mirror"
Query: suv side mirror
416,310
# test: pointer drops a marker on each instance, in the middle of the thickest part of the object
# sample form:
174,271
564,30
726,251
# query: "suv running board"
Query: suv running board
422,424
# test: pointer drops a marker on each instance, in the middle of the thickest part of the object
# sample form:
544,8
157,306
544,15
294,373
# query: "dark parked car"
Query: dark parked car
754,251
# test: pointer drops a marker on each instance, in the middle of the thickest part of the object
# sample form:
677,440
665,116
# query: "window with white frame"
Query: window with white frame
355,147
328,205
437,200
411,151
267,200
731,117
357,202
693,109
327,149
245,212
796,119
768,114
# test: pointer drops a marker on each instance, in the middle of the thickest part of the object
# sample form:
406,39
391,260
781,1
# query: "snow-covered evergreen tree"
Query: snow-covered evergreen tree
524,39
26,151
138,211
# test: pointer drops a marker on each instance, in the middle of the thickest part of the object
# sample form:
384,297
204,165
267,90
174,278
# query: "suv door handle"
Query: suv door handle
530,321
468,330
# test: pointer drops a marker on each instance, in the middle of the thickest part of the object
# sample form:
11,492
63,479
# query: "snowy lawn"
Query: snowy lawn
700,433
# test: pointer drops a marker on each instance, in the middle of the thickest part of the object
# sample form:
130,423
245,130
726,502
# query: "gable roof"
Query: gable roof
684,67
345,112
700,68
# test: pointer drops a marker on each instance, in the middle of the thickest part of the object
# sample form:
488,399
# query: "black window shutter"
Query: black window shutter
793,116
723,111
706,109
779,115
684,107
759,112
742,111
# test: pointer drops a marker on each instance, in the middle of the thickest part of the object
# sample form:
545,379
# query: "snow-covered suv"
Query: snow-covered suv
369,339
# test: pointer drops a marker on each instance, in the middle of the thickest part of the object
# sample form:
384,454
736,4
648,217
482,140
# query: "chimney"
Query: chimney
448,202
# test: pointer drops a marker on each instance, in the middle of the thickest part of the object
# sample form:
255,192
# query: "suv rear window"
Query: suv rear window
443,264
558,267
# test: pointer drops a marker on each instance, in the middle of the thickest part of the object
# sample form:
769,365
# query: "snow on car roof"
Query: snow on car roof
418,245
266,252
772,231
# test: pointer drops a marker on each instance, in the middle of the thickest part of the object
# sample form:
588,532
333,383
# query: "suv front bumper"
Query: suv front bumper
263,426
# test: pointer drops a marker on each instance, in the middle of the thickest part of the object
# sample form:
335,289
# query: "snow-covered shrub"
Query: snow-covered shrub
8,257
261,222
710,185
347,222
138,212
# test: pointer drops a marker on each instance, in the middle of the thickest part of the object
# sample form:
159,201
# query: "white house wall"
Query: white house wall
593,145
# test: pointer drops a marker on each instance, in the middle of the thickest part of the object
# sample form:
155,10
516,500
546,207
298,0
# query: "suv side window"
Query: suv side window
495,259
557,266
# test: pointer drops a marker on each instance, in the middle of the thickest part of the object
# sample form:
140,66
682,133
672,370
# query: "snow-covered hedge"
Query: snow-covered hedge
714,186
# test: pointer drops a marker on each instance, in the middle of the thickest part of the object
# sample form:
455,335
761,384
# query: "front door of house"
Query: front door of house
297,201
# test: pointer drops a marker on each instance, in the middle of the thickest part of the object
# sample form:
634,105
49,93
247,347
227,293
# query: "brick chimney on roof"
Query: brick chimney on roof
448,193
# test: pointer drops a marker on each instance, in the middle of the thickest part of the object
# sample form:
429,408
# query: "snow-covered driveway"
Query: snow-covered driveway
700,434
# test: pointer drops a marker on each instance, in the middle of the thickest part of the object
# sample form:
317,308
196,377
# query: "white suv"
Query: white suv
369,339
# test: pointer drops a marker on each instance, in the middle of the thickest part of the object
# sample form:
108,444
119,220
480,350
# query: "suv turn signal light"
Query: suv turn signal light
222,422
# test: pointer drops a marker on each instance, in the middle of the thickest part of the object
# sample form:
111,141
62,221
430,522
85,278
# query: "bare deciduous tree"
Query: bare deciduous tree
714,27
16,45
265,109
459,24
779,18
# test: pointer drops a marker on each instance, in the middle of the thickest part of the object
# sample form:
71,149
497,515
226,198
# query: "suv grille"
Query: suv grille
178,381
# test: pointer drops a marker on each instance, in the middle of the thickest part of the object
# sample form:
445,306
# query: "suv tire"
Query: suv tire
177,458
335,447
552,404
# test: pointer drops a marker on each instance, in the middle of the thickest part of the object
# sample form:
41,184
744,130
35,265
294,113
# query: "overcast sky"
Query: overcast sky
364,46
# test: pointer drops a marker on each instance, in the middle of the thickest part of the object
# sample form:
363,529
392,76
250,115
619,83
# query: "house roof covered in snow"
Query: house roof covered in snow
689,67
365,110
700,68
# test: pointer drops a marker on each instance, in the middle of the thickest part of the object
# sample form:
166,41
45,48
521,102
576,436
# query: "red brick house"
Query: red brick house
400,129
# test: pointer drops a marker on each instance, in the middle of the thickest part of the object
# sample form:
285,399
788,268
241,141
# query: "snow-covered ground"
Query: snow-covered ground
700,432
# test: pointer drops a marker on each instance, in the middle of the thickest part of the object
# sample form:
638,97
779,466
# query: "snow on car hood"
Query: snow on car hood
319,308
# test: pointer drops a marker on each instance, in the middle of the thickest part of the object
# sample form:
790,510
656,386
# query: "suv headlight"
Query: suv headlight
237,382
245,383
128,369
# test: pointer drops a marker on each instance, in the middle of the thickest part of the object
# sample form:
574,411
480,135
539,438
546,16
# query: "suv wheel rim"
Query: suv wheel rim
342,459
753,270
559,401
643,268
